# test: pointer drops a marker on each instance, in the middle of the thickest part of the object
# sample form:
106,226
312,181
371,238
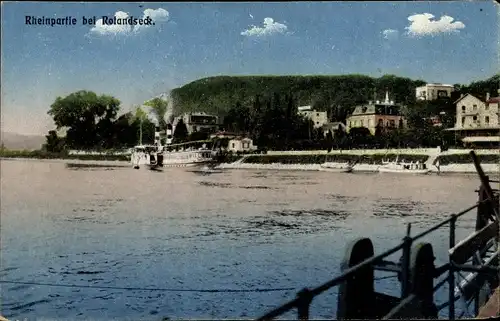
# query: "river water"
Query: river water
179,230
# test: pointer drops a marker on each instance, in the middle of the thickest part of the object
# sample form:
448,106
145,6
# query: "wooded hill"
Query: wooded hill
336,94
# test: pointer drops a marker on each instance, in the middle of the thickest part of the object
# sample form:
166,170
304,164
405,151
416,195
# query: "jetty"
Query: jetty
477,256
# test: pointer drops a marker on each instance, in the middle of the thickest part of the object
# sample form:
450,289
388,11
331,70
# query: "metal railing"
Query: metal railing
487,197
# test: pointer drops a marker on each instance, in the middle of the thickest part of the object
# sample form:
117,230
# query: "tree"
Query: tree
194,136
87,116
359,136
54,144
159,108
180,133
140,116
329,141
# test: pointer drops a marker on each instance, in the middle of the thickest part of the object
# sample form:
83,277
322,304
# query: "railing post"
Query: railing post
405,264
305,299
483,214
451,273
482,218
422,279
355,292
486,184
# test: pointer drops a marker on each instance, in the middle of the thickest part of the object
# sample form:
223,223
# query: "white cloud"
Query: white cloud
270,27
156,15
101,29
390,34
423,25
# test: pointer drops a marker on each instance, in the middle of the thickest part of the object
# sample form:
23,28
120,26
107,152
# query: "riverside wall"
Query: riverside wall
433,154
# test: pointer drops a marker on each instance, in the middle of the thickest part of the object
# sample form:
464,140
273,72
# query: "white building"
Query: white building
477,121
434,91
198,122
319,118
241,145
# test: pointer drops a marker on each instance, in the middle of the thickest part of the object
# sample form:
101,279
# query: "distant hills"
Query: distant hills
21,142
219,94
337,94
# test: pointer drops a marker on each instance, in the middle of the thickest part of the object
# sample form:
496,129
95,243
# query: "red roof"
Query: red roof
494,100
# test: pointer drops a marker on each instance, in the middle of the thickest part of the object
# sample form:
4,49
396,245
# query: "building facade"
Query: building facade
199,122
241,145
477,121
434,91
384,114
319,118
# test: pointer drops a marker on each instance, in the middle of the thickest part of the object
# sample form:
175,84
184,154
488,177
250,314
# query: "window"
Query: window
474,118
233,145
463,108
463,120
487,119
317,114
474,107
442,93
361,123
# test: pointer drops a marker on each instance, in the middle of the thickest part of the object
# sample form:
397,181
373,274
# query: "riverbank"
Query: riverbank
451,168
451,161
41,155
118,163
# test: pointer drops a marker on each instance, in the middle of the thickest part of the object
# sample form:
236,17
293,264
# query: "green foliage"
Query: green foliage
92,125
480,88
128,129
465,159
88,117
319,159
54,143
336,94
41,154
196,136
271,121
159,108
265,108
180,133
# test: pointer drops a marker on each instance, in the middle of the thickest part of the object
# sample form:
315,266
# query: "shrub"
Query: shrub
319,159
466,159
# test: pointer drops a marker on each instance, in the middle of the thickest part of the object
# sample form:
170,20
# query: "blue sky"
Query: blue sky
449,42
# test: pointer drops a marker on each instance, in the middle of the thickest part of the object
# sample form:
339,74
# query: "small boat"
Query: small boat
336,167
403,167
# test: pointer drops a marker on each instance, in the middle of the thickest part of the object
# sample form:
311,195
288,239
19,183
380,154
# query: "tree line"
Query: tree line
264,107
